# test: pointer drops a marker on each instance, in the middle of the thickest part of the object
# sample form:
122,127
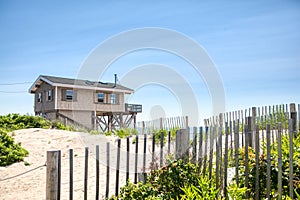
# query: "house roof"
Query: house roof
78,83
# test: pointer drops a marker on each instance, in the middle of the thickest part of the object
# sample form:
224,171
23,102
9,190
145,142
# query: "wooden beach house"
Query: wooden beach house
91,104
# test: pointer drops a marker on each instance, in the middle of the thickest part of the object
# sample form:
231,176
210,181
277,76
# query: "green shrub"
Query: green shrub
10,152
138,192
178,180
235,192
273,167
125,132
108,133
165,183
201,191
170,179
58,125
95,132
158,133
16,121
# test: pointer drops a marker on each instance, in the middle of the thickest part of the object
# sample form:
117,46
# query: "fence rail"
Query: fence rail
216,148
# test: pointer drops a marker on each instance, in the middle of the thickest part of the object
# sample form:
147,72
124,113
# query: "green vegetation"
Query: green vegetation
178,180
58,125
273,119
10,152
202,191
158,133
125,132
165,183
12,122
120,133
274,169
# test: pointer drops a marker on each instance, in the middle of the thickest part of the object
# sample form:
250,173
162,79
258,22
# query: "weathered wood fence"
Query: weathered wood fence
214,147
146,127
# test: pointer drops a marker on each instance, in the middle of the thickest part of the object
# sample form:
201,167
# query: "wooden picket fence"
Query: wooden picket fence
167,123
214,148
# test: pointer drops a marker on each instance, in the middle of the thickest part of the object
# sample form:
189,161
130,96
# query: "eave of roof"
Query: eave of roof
78,84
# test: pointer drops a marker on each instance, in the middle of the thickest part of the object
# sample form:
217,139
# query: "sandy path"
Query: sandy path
15,183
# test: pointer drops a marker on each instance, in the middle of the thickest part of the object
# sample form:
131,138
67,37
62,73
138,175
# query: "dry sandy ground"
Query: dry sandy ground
18,181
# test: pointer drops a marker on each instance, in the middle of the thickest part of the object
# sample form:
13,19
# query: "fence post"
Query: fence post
211,150
294,118
52,182
268,161
291,151
97,171
249,131
205,150
136,159
194,156
86,165
161,149
253,126
71,174
200,158
226,160
143,127
182,144
247,157
186,121
236,153
299,117
118,168
107,168
279,161
221,148
153,151
127,158
257,163
144,158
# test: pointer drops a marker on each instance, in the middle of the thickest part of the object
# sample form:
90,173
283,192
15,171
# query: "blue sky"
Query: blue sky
255,46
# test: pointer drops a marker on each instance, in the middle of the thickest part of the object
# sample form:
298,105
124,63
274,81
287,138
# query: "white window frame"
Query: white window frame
114,98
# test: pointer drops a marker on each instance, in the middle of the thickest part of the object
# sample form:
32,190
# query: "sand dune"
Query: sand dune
18,181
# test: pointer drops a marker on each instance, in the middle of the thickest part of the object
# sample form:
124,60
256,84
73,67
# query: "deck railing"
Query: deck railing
133,108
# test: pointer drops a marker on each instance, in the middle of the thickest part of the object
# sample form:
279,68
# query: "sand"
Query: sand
18,181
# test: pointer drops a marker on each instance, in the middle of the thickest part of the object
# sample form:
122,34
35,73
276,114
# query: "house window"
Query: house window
39,97
100,97
49,95
69,94
114,98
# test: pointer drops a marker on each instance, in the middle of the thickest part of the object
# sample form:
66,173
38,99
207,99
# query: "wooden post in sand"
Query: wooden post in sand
293,116
53,175
182,145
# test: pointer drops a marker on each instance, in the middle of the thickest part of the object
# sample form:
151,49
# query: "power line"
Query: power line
20,83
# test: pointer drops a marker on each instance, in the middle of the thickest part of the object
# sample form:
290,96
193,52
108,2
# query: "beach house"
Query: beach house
88,103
